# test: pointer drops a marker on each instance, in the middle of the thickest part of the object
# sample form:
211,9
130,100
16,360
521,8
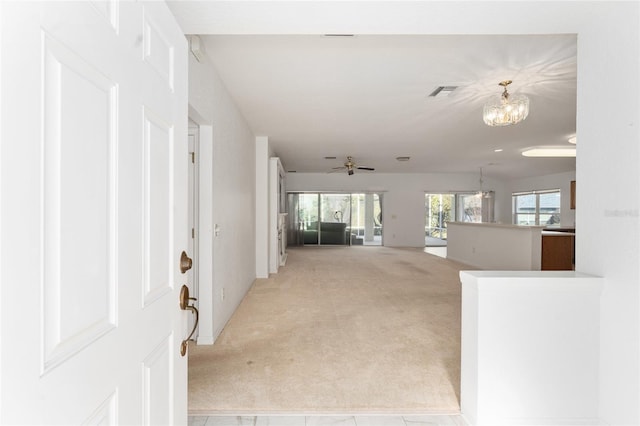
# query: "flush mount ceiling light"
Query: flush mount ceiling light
505,109
550,152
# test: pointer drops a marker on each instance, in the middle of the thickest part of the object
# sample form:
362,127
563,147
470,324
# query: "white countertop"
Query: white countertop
498,225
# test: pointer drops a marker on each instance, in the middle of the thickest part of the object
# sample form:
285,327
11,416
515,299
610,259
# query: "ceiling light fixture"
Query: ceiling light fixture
572,140
505,109
550,152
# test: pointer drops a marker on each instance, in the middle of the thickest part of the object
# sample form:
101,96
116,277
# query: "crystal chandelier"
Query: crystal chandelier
505,109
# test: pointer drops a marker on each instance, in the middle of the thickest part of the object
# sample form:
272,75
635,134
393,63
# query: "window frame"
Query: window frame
536,213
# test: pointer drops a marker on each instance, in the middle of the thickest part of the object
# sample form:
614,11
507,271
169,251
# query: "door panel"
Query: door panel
78,286
158,199
158,385
93,213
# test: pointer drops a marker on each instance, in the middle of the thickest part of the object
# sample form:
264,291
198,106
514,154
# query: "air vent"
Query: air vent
329,158
291,171
339,35
403,158
442,91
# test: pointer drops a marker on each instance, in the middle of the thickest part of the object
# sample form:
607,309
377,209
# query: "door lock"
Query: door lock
184,305
185,262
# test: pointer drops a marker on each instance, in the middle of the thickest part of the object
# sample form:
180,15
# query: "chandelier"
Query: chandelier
505,109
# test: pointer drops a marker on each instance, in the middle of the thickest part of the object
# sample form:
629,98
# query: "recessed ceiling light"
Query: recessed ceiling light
497,150
572,140
403,158
550,152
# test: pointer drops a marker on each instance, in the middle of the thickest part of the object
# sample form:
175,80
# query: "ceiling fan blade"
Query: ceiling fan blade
365,168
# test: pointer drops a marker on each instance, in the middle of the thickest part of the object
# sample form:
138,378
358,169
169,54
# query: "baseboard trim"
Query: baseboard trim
341,413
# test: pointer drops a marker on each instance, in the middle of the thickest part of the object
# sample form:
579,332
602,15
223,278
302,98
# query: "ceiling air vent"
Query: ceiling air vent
442,91
403,158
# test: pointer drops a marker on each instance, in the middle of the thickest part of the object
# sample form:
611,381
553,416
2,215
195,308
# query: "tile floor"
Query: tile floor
430,420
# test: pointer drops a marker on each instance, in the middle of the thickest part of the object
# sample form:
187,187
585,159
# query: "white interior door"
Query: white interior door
93,213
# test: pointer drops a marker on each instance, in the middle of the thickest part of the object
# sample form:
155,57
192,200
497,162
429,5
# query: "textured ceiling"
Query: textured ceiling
367,96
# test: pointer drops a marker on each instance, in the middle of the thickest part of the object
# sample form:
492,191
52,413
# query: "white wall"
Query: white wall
492,246
607,201
232,189
560,181
403,196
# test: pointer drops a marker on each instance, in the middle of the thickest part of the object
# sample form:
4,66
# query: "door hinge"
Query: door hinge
193,157
193,233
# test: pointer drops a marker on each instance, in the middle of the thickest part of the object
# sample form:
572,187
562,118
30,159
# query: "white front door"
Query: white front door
92,213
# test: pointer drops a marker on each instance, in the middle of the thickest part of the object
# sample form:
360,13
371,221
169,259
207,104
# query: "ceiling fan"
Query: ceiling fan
350,166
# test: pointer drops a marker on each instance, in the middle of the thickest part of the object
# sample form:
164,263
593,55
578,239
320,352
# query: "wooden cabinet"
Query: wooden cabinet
557,251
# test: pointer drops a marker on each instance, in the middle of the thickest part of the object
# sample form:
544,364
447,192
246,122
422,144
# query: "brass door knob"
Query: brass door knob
185,262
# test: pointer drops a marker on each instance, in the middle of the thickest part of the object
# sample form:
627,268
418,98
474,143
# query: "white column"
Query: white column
262,207
530,346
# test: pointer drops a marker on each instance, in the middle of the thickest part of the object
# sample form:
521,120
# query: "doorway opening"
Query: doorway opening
334,219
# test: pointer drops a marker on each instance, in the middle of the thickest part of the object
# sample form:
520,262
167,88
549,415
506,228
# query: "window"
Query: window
441,208
536,207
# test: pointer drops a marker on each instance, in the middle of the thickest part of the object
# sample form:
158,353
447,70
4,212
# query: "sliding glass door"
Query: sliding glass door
441,208
366,219
308,217
334,219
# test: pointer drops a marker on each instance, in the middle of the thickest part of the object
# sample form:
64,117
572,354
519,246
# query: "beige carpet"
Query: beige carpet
338,330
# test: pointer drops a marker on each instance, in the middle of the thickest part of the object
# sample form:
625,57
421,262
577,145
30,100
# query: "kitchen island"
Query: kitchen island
494,246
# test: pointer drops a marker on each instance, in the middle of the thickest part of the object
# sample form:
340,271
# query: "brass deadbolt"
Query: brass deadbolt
185,262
